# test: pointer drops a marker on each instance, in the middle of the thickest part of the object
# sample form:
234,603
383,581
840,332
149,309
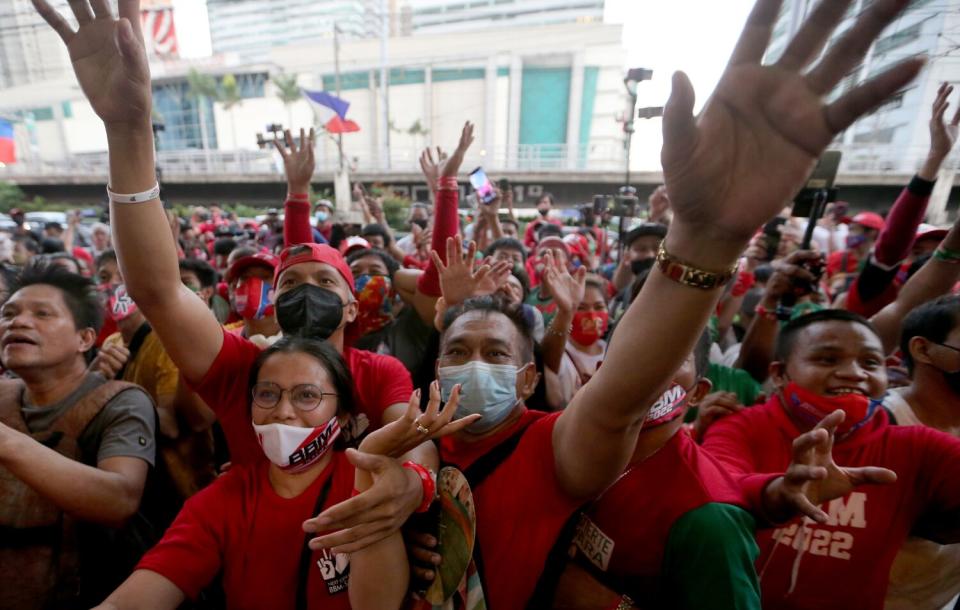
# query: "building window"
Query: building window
877,136
898,39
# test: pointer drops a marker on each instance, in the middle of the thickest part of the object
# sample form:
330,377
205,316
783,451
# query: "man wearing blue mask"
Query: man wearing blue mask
323,216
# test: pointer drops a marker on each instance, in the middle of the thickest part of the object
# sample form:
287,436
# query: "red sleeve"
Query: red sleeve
189,554
729,441
379,382
224,388
296,221
530,235
905,216
446,223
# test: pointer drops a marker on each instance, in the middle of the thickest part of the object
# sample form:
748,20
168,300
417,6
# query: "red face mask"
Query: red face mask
253,299
810,407
589,326
119,304
671,405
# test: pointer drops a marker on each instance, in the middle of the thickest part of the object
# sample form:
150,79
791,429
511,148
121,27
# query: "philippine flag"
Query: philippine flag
331,111
8,153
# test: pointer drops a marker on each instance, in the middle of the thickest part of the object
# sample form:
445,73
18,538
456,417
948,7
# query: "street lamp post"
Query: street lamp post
634,77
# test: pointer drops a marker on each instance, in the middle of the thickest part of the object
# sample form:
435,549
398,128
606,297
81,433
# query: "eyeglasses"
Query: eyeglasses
303,397
956,349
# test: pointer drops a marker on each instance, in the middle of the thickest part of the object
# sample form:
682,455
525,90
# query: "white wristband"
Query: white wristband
153,193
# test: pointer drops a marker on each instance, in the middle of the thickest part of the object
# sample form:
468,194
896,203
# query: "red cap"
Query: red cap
355,243
262,259
925,231
317,253
553,242
870,220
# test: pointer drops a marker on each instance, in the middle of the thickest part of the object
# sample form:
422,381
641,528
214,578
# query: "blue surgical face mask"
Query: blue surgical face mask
322,216
487,389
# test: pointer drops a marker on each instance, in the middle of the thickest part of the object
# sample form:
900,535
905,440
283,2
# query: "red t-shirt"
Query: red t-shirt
845,563
675,480
520,508
240,526
378,382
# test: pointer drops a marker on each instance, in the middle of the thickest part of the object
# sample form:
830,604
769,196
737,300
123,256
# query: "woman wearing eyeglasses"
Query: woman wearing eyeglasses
247,525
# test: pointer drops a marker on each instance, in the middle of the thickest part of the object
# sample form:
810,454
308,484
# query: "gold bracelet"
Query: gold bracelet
684,273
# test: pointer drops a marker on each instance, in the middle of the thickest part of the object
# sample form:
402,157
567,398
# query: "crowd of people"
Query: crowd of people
706,410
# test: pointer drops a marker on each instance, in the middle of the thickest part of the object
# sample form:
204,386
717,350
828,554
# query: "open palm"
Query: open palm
108,57
758,137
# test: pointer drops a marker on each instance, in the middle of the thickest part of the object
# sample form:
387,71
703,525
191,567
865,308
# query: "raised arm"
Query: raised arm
937,276
111,67
893,245
726,171
298,165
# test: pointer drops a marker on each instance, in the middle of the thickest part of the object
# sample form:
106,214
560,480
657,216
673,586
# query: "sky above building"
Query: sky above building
696,36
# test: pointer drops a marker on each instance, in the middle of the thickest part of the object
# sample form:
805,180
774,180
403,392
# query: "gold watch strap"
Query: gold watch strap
684,273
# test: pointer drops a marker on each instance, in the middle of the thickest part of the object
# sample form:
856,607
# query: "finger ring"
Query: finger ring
420,427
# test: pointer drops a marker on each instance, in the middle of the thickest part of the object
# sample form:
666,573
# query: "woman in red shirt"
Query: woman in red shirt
248,525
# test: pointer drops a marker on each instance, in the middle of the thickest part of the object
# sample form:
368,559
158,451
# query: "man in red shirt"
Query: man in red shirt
688,542
838,553
544,206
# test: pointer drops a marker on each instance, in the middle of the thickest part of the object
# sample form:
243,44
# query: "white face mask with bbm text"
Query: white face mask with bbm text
293,448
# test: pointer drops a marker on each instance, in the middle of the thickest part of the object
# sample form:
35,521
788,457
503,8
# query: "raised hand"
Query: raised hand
943,135
814,478
416,427
298,161
758,137
714,406
109,360
108,58
451,165
566,289
788,272
431,167
460,278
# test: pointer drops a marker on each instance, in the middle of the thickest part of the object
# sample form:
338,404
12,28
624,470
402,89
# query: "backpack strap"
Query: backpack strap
11,400
478,472
135,344
75,421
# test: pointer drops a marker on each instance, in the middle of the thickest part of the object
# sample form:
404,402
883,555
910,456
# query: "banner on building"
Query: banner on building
159,33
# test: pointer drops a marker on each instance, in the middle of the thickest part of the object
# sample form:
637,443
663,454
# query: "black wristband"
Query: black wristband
920,187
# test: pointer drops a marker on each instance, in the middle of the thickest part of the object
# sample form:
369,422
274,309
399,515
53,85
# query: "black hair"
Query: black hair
53,225
202,269
521,274
50,245
596,283
376,229
60,256
646,229
391,263
224,246
548,229
79,293
321,351
106,255
933,321
507,243
788,334
491,304
29,244
549,196
510,221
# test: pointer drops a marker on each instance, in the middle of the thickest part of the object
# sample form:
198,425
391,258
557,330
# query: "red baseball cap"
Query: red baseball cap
553,242
870,220
925,231
355,243
262,259
317,253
